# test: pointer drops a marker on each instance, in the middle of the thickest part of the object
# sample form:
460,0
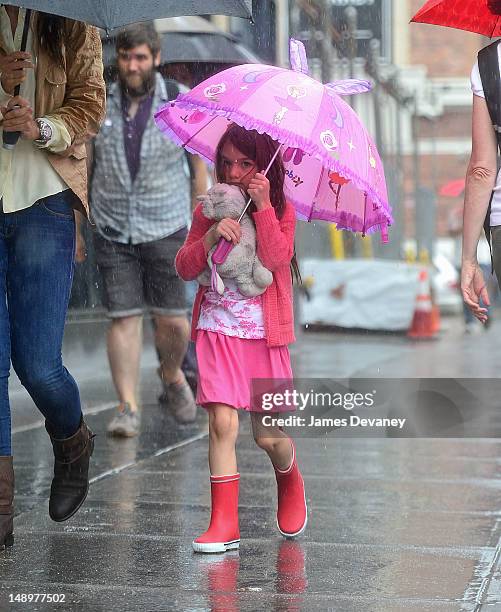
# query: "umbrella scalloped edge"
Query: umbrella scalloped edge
343,220
280,135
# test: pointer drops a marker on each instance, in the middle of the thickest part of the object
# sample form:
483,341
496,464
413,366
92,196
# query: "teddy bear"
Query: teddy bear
242,264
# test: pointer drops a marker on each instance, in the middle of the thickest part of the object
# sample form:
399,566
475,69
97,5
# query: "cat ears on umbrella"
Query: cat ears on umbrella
299,63
349,87
297,56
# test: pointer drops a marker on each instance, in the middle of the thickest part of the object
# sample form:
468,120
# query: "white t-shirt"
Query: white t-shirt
478,90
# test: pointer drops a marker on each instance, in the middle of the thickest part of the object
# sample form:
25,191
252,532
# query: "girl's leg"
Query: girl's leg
223,432
292,513
223,533
273,440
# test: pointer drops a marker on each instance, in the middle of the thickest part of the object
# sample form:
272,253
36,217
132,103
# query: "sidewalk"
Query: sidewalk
393,524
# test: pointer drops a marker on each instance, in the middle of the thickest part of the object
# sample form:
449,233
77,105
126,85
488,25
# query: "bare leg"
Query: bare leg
272,440
171,339
124,354
223,432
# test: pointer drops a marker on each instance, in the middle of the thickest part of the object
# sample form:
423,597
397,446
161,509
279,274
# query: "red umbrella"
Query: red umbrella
481,16
453,189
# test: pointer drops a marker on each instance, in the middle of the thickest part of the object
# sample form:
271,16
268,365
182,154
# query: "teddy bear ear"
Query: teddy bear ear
208,206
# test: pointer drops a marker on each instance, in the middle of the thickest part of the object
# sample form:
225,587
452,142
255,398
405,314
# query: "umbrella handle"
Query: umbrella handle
222,251
219,257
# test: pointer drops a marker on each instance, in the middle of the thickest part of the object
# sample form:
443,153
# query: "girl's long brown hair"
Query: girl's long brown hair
260,148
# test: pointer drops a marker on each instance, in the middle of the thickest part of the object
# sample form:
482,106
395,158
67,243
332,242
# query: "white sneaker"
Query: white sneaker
126,423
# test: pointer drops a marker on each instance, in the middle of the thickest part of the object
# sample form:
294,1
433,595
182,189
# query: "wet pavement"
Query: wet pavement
394,524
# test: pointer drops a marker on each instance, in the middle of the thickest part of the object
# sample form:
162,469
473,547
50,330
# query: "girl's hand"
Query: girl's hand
474,289
229,229
259,191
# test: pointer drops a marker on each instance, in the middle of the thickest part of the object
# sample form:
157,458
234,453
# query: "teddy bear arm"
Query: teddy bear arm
261,275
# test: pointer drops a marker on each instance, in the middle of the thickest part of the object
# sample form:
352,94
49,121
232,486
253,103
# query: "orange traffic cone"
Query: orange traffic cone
423,325
435,318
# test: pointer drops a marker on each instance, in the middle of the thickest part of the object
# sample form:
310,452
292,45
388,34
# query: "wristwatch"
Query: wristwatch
45,132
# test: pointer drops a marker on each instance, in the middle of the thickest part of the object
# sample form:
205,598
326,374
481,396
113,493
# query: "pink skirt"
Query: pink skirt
227,366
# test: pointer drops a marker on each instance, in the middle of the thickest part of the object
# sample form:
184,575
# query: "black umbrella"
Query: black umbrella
110,14
210,47
214,47
197,44
193,39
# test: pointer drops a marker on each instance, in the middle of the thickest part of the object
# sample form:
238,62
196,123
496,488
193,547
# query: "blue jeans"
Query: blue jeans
37,248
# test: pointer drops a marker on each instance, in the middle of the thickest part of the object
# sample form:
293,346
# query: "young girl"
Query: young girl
239,339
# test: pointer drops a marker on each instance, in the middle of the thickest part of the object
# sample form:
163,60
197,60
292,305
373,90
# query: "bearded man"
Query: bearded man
140,203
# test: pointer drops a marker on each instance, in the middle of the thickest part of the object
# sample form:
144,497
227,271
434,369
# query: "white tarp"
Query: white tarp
359,293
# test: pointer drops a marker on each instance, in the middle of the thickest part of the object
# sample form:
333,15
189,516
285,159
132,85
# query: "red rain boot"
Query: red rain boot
292,513
223,533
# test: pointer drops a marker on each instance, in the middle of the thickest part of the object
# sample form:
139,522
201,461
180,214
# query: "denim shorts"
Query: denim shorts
141,277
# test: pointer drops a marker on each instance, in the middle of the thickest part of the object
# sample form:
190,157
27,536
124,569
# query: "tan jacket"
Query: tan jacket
77,95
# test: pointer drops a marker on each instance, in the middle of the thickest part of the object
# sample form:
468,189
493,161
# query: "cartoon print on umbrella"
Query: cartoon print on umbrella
288,103
296,156
194,117
336,179
214,91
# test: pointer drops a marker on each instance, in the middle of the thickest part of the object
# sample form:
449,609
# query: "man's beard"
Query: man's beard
147,85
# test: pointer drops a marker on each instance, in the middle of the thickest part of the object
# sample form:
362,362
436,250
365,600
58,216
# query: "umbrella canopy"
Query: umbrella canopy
480,16
333,170
179,47
191,39
111,14
215,48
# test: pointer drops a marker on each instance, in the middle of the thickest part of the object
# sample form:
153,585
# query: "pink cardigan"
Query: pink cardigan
275,248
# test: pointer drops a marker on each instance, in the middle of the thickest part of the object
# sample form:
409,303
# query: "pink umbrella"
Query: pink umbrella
333,170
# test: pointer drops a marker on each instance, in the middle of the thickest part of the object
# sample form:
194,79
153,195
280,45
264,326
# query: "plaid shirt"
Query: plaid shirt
157,203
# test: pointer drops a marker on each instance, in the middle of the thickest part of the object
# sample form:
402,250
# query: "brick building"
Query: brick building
436,63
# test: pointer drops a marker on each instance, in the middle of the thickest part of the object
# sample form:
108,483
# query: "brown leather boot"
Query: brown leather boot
70,484
6,501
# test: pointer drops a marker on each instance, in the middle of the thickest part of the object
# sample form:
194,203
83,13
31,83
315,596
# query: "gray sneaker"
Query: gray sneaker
180,401
125,424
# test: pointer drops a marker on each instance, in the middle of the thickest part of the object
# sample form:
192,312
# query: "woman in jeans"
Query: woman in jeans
42,180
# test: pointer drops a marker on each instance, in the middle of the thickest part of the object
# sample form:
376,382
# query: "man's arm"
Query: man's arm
80,220
80,248
89,147
199,179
